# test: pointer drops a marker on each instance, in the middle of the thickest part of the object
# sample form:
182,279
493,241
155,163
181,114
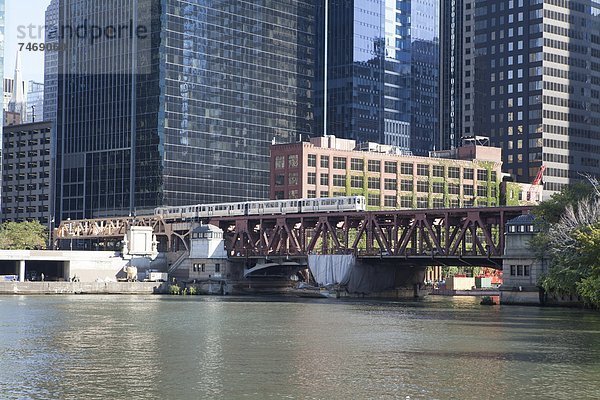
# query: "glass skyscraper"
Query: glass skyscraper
383,71
183,112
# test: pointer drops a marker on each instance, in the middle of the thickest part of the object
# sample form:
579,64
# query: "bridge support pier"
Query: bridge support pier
22,271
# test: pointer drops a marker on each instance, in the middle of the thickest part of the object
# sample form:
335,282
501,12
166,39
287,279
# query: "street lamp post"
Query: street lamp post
50,225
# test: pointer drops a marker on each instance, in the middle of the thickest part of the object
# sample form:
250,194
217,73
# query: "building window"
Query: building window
406,202
356,182
481,191
438,202
494,176
325,179
294,194
339,180
339,163
374,166
311,178
324,194
390,184
312,160
391,167
422,169
202,267
406,169
525,270
423,186
217,267
279,162
468,173
482,175
293,161
513,271
438,171
468,190
293,178
311,194
406,185
357,164
389,201
438,187
422,202
279,179
374,183
279,195
374,200
453,188
519,270
324,161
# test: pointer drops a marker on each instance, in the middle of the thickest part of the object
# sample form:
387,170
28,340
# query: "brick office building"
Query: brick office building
328,167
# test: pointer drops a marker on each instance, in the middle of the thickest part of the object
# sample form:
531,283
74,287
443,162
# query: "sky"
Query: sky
24,12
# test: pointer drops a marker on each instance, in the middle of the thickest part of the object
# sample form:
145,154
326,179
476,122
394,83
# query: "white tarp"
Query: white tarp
357,277
331,269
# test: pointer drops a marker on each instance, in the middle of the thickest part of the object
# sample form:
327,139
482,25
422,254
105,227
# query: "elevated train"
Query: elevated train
267,207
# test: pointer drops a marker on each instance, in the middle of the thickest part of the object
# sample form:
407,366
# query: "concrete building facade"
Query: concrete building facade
330,167
26,172
525,73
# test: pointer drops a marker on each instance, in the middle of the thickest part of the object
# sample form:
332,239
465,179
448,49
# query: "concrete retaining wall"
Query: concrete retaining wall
79,287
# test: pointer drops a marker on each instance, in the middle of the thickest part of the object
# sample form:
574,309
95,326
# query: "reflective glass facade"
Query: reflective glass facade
185,115
383,67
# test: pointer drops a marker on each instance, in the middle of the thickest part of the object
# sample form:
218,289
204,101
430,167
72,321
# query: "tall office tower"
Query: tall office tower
51,63
457,71
383,72
537,86
182,108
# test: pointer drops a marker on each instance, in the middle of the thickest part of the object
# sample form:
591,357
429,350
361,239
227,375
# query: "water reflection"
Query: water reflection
151,347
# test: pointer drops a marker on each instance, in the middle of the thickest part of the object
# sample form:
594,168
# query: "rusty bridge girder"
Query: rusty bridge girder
467,236
471,235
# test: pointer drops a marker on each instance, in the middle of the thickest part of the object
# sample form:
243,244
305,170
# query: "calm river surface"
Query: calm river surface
127,347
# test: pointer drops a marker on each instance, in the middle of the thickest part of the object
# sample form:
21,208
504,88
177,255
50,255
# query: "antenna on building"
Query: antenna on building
325,67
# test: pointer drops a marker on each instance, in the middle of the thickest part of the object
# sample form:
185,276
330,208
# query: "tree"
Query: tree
28,235
571,239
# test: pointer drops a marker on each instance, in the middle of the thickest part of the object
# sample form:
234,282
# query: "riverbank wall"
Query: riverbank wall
49,288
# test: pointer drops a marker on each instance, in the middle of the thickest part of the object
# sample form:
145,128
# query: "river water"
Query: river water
153,347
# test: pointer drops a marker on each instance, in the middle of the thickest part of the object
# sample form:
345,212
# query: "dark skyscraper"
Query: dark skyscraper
537,86
383,72
183,112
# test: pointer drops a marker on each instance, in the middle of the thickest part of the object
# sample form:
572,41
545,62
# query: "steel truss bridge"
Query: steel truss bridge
467,236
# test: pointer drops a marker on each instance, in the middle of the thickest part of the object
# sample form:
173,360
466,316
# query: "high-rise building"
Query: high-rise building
183,108
2,58
530,82
382,72
457,69
26,172
51,63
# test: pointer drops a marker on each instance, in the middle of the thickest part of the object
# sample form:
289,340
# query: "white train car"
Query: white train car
268,207
329,204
